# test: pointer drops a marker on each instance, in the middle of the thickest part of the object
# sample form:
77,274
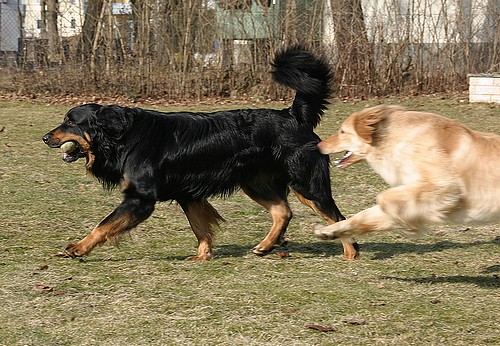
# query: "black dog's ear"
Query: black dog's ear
114,120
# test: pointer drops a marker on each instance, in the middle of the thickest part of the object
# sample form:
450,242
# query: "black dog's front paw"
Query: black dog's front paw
71,251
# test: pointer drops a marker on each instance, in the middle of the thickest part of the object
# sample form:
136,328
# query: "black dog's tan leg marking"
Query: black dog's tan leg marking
281,215
106,230
313,206
351,249
128,215
202,217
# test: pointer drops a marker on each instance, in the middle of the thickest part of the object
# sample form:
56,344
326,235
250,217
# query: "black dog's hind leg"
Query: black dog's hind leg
274,200
311,185
202,217
351,248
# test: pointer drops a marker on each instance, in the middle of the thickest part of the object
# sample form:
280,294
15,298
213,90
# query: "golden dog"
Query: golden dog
439,170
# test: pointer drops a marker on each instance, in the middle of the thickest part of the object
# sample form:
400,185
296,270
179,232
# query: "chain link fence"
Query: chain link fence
9,33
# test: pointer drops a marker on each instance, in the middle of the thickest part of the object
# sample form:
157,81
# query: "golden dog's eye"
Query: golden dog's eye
342,131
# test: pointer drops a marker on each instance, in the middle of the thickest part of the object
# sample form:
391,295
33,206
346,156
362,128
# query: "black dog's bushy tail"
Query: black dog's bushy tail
296,67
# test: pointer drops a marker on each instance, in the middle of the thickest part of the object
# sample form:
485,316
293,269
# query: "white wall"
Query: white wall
425,21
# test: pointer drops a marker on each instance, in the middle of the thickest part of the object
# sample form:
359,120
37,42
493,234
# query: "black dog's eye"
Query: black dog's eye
70,123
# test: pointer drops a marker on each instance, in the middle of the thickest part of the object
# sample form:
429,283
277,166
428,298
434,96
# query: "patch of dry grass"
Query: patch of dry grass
441,288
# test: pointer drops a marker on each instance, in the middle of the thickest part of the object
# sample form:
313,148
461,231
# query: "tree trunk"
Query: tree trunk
351,40
50,31
89,29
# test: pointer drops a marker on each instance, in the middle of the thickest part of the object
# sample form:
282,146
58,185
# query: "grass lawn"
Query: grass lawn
439,289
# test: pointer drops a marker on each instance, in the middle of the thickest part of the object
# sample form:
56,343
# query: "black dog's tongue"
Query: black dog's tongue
69,158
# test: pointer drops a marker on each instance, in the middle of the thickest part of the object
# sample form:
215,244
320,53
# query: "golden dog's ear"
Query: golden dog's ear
367,120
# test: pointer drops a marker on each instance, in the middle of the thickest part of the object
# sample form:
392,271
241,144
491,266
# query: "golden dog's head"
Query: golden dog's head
356,135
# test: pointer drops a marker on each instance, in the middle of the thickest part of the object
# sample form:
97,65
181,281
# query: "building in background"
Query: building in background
70,17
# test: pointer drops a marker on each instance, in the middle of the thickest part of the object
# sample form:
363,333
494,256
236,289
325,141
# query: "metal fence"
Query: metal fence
9,33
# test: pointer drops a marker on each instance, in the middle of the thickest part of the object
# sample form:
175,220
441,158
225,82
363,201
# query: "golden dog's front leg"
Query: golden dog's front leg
369,220
128,215
332,231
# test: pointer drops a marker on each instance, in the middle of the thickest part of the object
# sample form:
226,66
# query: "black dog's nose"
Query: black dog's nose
46,138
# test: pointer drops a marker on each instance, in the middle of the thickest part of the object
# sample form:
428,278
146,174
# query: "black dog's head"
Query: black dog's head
75,128
90,130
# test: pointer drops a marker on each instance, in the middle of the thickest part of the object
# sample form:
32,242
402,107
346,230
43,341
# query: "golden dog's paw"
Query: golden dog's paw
323,233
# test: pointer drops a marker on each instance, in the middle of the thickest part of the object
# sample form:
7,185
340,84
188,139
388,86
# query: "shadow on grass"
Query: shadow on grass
480,281
388,250
234,250
492,269
381,251
385,251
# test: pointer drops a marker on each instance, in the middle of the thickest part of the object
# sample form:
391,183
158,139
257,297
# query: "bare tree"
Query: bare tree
50,31
186,48
94,9
353,49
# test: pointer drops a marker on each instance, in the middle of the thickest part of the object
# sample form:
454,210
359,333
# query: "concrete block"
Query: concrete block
479,98
484,88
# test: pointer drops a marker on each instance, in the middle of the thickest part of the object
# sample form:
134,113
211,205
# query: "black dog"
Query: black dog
188,157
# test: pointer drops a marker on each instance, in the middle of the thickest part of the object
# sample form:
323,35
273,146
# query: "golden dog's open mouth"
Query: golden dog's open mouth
340,163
